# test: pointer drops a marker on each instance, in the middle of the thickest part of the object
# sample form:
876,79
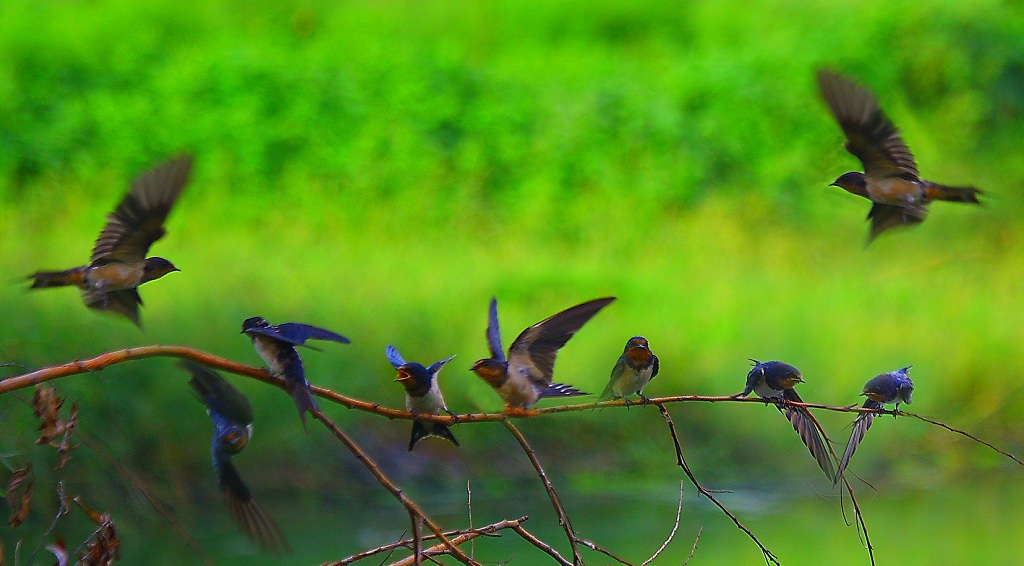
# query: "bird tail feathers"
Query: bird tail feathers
561,390
43,279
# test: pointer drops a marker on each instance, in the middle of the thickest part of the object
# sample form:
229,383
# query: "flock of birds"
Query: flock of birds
523,375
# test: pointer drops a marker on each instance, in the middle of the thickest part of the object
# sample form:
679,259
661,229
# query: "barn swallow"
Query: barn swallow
525,376
775,381
890,179
892,387
636,367
119,264
232,429
276,345
422,395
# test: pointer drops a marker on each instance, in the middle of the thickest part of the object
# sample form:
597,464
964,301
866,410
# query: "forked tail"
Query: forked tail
935,191
43,279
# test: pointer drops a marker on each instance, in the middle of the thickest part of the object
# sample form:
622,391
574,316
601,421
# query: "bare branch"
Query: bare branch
694,549
603,551
958,431
664,545
563,518
528,537
768,555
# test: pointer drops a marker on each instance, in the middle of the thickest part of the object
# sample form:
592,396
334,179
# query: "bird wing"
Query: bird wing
217,394
655,368
870,135
296,333
436,366
860,428
886,216
138,220
754,376
807,428
394,357
494,332
251,518
533,352
620,367
124,302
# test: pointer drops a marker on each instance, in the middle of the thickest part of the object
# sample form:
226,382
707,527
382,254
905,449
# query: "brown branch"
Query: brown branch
958,431
664,545
681,462
409,504
541,545
563,518
694,549
462,538
606,552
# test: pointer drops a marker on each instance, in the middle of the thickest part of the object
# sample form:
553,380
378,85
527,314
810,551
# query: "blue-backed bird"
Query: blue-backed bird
276,345
232,428
893,387
119,264
422,395
525,376
899,196
636,367
773,381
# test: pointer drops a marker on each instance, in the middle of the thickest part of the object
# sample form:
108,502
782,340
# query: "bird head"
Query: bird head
637,350
157,267
853,182
490,370
254,322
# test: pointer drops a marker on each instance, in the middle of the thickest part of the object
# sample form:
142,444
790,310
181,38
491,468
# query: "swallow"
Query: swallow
422,395
893,387
232,429
636,367
899,196
119,265
524,377
276,345
773,381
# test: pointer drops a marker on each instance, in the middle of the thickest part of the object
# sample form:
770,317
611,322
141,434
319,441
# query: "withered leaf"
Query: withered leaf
20,504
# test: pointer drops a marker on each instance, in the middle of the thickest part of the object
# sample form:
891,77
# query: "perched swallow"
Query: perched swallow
890,179
276,345
119,264
232,429
422,395
892,387
775,380
525,376
636,367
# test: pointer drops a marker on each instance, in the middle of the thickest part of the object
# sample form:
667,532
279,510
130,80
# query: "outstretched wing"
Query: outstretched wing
394,357
533,352
494,332
124,302
296,333
138,220
870,135
219,396
886,216
436,366
251,518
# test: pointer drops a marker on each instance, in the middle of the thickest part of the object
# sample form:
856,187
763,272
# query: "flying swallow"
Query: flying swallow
774,381
892,387
232,429
636,367
524,377
422,395
119,264
276,345
890,179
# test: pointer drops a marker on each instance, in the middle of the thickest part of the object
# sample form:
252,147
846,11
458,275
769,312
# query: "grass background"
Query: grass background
383,168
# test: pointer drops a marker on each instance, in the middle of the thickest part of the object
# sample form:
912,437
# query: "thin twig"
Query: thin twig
563,517
416,542
603,551
409,504
768,555
664,545
967,434
462,538
694,549
469,507
528,537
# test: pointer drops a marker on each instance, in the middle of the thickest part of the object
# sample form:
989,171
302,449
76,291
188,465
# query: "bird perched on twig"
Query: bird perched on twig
774,381
422,395
119,264
893,387
899,196
276,345
525,376
636,367
232,428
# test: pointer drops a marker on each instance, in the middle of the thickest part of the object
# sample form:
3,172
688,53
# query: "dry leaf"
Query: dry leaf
19,505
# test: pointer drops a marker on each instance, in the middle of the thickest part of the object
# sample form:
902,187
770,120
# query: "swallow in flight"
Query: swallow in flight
422,395
524,377
636,367
774,381
899,196
892,387
232,429
119,264
276,345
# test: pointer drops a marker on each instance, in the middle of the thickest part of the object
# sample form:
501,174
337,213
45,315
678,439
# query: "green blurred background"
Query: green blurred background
383,168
